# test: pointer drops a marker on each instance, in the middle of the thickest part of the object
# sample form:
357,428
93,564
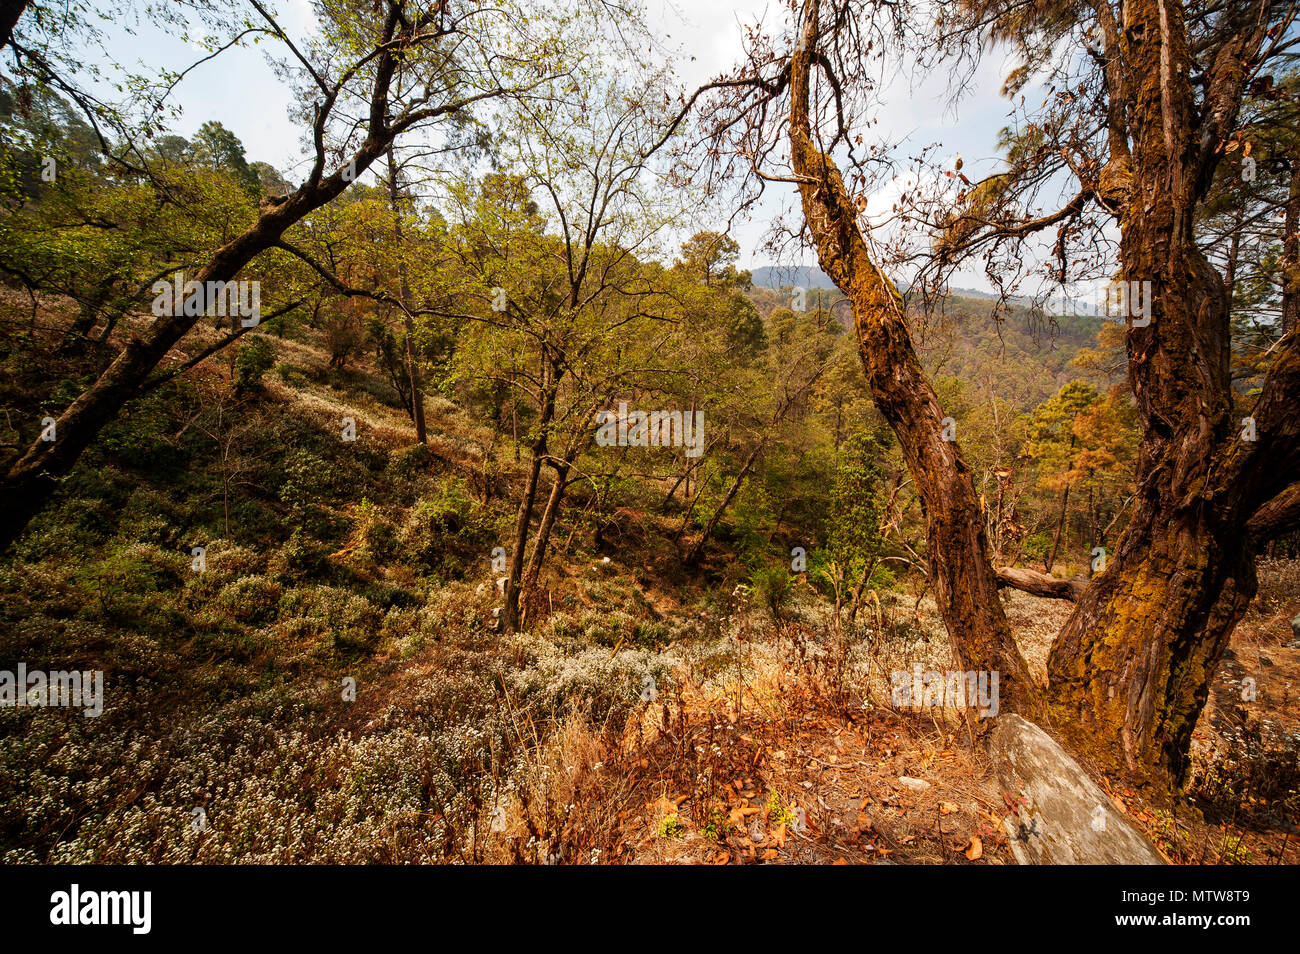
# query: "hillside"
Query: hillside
332,686
399,467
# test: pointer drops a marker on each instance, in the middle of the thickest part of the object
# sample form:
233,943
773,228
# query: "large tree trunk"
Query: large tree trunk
964,581
1131,670
10,11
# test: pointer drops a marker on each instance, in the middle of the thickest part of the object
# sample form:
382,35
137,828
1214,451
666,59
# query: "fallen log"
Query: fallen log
1040,584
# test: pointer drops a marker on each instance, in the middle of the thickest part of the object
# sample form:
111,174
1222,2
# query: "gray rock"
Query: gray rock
1295,627
915,784
1061,817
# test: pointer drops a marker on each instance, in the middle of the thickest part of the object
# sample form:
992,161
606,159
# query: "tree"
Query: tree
1130,671
856,515
713,258
563,299
1148,97
1052,442
216,146
404,70
744,123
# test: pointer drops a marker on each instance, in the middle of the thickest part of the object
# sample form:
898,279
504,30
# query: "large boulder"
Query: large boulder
1061,816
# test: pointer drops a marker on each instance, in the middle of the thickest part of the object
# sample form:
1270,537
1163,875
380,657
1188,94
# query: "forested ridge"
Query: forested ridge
459,494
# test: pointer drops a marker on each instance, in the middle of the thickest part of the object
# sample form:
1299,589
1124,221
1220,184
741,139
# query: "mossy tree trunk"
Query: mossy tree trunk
961,572
1132,668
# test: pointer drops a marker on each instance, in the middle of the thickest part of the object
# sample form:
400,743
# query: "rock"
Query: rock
915,784
1295,628
1062,817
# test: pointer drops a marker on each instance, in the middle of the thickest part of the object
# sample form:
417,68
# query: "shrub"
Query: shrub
772,587
255,358
348,621
409,462
253,600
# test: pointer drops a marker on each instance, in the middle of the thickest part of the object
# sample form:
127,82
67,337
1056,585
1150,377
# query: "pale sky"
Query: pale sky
239,89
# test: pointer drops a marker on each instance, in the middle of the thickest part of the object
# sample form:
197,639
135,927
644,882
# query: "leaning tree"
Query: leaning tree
373,72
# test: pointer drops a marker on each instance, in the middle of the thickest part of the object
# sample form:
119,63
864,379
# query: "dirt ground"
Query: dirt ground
790,779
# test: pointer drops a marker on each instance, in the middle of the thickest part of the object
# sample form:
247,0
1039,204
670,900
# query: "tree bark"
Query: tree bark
514,574
10,11
1040,584
547,524
524,519
1291,252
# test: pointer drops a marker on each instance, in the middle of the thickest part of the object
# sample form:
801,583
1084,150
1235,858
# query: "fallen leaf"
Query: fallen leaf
947,808
975,850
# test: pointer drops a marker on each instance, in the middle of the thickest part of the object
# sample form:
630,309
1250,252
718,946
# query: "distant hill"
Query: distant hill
1024,357
786,276
810,276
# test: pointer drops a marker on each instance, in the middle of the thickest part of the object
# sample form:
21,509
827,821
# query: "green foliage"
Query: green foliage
778,814
671,827
216,146
128,584
772,587
256,356
253,600
410,462
857,504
